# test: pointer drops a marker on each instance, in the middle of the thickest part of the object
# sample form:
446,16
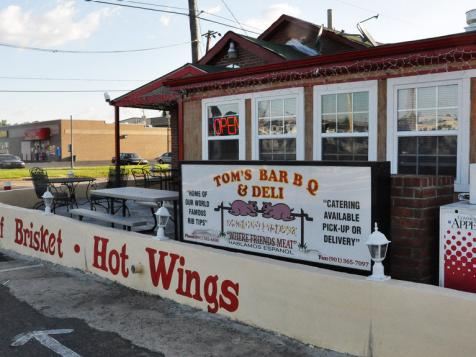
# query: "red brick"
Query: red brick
407,222
403,212
445,190
414,181
397,181
408,192
399,251
431,213
428,192
396,191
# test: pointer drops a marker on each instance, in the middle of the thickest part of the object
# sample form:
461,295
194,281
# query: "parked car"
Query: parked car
130,158
8,161
165,158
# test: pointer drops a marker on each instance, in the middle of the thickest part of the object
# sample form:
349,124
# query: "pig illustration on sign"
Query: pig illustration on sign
241,208
279,211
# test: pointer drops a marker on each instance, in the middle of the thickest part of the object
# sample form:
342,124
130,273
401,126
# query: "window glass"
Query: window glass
223,149
277,117
361,102
426,97
428,108
328,103
343,114
427,155
406,99
348,149
277,149
223,124
448,96
344,102
223,120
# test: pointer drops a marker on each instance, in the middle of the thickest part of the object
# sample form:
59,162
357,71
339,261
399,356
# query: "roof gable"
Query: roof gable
287,27
218,53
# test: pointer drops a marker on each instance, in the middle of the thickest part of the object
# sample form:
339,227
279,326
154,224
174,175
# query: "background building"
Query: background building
92,140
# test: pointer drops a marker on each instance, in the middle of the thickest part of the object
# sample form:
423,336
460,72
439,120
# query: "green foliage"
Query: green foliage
90,171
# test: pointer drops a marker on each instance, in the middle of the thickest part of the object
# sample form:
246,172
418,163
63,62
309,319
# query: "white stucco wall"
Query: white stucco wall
334,310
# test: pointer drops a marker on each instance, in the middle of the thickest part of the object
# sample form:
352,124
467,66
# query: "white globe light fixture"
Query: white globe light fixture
163,217
48,200
377,244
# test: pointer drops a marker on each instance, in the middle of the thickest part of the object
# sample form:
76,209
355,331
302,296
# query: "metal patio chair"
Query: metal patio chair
39,178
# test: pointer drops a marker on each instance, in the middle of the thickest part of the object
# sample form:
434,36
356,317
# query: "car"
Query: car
8,161
165,158
130,158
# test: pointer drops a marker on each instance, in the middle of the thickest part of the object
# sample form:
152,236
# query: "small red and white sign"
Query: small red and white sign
458,247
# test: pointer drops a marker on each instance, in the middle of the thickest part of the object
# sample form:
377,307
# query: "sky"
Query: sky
78,25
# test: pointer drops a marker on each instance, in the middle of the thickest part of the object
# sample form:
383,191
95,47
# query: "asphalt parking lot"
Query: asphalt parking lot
49,310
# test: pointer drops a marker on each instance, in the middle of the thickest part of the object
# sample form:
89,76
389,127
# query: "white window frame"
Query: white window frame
287,93
462,79
363,86
241,137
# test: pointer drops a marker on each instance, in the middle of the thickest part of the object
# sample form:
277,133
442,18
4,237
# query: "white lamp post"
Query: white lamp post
163,217
378,245
48,200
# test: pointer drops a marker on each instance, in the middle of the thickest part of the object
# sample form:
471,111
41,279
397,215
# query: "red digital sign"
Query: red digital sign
225,126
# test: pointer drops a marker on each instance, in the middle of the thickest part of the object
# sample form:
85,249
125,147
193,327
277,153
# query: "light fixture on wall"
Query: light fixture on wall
377,244
232,51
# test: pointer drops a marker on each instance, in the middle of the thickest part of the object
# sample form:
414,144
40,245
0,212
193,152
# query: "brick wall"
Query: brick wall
415,202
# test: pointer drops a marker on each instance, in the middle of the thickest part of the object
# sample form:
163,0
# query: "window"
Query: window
278,125
223,128
426,110
428,126
345,121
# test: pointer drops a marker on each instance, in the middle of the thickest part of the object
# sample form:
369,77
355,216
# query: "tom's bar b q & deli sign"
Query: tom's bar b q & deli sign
321,214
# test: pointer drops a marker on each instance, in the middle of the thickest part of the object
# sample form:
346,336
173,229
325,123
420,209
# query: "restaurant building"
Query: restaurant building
306,92
93,140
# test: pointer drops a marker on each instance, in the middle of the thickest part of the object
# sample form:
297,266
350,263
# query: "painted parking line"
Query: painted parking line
21,268
46,340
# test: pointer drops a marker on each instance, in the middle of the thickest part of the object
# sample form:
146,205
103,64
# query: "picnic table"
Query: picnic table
140,195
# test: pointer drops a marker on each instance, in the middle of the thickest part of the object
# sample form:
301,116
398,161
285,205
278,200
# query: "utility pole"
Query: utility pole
192,10
210,34
71,135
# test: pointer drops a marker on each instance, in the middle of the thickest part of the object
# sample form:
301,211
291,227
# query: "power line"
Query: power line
374,11
153,4
233,15
65,91
170,12
186,9
73,79
51,50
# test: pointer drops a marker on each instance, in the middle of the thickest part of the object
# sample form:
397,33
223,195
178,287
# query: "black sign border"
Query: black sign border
380,203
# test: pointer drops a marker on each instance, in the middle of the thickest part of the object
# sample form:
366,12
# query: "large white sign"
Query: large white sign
320,214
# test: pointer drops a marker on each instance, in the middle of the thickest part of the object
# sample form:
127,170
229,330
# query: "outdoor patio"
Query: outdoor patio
135,210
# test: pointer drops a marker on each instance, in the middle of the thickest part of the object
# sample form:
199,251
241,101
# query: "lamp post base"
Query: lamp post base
378,278
377,273
161,234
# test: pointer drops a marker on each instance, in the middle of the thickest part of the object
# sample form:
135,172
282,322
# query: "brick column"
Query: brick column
415,202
